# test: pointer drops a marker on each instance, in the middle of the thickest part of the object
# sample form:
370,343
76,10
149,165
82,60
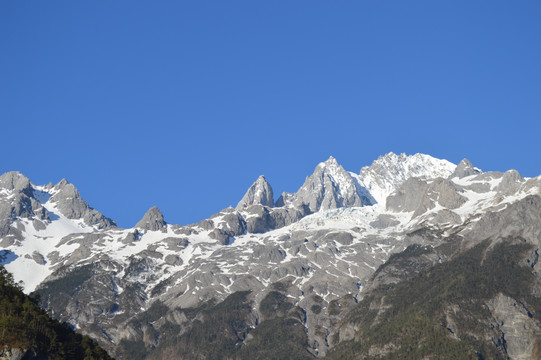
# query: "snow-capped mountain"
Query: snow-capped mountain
316,247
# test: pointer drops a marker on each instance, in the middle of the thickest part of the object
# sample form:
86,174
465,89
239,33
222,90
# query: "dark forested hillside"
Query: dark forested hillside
27,330
470,307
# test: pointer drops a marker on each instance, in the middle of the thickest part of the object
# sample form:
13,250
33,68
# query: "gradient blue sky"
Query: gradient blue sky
182,104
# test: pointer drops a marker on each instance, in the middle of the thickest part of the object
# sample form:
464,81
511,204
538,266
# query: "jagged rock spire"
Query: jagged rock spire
70,203
260,193
329,187
153,220
463,169
14,180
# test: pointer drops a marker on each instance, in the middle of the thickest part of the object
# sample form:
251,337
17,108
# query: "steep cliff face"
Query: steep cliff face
260,193
518,332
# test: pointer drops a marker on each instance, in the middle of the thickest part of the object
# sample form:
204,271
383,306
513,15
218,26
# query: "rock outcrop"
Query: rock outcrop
152,220
260,193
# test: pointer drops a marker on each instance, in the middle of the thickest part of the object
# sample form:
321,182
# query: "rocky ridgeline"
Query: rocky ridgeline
306,259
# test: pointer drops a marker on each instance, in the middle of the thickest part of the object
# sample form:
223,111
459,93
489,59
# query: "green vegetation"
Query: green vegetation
133,350
404,258
274,304
223,331
281,335
68,284
24,325
153,313
279,338
414,322
217,331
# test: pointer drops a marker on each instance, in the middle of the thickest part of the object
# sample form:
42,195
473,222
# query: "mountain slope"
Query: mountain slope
26,332
301,262
480,304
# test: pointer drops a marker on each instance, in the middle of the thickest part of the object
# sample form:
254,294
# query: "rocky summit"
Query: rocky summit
411,257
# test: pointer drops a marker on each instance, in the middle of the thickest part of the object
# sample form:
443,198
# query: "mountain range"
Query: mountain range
412,257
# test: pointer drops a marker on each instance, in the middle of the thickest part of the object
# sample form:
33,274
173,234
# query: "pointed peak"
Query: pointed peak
463,169
65,189
11,174
154,209
260,193
14,180
262,178
62,183
465,163
330,162
389,154
392,156
153,220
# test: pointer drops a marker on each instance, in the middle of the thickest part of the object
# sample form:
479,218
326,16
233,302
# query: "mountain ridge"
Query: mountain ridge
317,247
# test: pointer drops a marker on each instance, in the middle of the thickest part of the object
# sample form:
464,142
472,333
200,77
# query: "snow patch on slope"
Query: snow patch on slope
42,242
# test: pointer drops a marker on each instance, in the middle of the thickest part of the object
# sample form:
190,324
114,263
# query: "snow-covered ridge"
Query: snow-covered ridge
390,171
326,239
341,200
39,241
39,248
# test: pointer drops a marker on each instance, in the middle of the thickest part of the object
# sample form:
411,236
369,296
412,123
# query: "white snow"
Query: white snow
380,179
43,242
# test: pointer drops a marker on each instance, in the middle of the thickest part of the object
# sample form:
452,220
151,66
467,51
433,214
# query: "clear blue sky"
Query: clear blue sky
182,104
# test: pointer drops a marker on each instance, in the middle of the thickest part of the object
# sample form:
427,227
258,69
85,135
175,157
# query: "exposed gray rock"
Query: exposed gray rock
17,182
225,225
342,237
519,331
152,220
510,178
408,197
463,169
71,205
18,354
447,193
176,244
260,193
174,260
206,224
183,230
285,199
478,187
231,222
150,253
223,237
446,216
384,221
39,225
518,219
329,187
18,202
266,255
286,215
419,196
258,219
132,236
38,258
